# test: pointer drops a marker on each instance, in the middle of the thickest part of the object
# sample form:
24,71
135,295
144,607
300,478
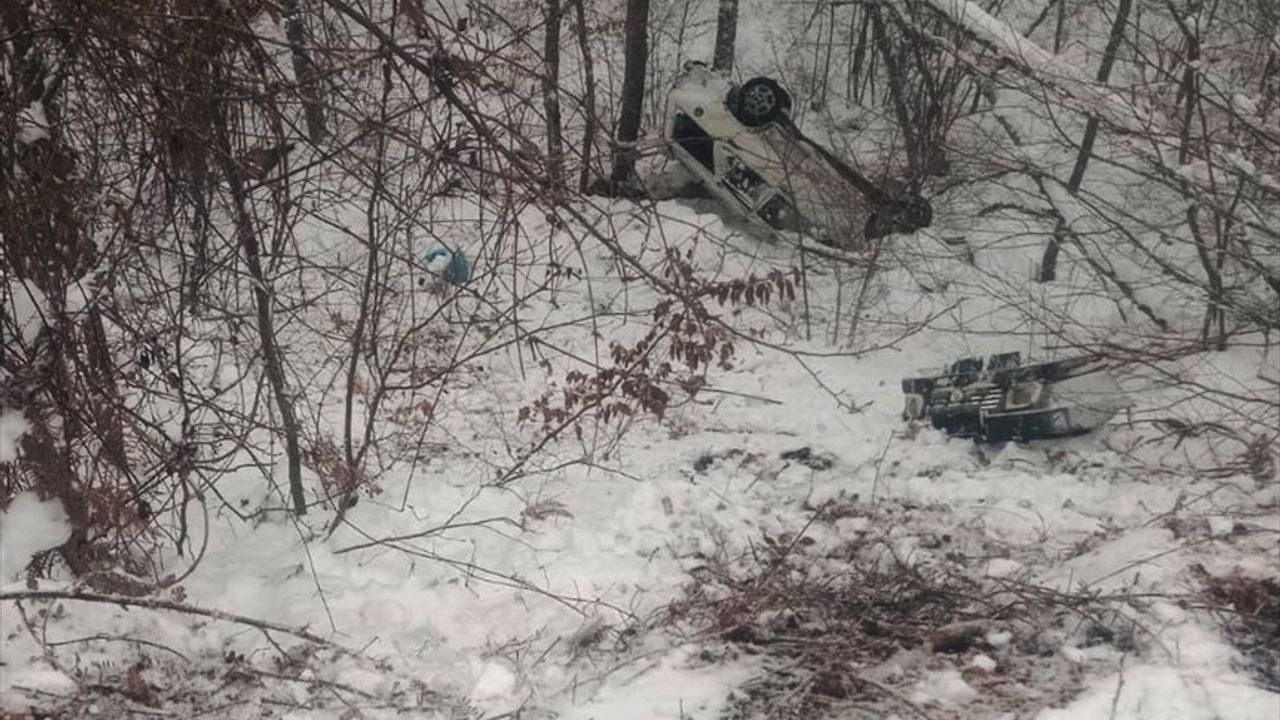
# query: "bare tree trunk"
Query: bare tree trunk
1189,92
1044,14
857,85
551,92
272,361
588,97
726,35
826,63
1049,262
1269,82
1058,29
305,69
370,308
636,54
896,92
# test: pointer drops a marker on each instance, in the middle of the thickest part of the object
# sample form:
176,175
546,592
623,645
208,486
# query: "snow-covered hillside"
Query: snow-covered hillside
643,462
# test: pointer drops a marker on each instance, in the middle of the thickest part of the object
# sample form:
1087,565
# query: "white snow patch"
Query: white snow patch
1244,104
13,425
78,297
1220,525
999,638
945,688
1002,567
39,677
33,124
364,679
1154,692
670,690
1146,557
983,662
1074,654
28,526
1200,684
28,308
495,682
1242,163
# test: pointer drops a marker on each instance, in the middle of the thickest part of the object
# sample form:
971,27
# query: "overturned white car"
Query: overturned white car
740,143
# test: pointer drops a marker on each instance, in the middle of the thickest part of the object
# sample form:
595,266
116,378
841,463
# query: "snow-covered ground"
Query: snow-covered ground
550,593
782,544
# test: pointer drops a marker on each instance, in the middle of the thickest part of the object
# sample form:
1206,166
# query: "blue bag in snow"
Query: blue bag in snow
450,265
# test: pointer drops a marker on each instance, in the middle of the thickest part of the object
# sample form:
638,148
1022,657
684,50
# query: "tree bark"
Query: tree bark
551,92
272,361
1059,28
636,54
1189,92
896,92
857,85
1049,262
588,98
304,68
726,35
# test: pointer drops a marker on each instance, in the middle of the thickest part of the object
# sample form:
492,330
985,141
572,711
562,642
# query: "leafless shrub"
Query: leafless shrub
1253,626
834,625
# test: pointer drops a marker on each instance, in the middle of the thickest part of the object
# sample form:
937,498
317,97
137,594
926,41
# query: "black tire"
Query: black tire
916,213
903,216
760,101
875,227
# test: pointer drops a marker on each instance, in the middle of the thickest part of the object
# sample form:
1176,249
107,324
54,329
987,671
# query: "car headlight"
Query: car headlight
1023,395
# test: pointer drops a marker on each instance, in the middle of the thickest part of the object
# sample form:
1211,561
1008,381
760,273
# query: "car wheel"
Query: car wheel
760,101
916,212
875,227
902,216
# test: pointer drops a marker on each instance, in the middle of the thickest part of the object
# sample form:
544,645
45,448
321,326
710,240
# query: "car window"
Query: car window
690,136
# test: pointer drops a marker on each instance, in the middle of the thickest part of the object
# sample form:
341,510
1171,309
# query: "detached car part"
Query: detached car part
1001,399
740,143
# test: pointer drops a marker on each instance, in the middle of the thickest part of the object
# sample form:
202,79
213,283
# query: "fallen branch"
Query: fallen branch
173,606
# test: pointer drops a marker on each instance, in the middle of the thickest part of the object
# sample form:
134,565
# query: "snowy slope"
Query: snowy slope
475,577
547,592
